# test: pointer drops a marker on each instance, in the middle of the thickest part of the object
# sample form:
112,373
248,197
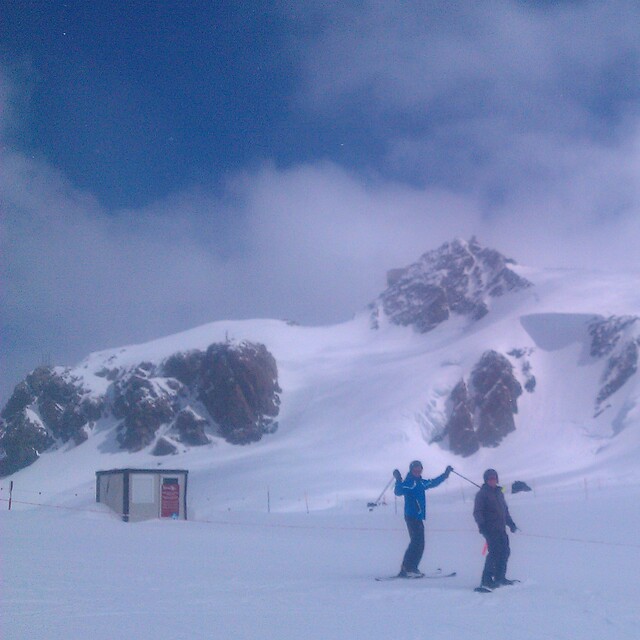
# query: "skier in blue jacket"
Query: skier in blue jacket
413,489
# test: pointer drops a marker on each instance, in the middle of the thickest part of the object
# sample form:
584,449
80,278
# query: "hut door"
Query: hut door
170,498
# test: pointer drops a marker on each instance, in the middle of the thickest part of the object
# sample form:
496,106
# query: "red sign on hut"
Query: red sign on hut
170,505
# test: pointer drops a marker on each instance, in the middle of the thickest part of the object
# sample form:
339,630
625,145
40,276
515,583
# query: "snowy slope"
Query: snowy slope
356,403
244,575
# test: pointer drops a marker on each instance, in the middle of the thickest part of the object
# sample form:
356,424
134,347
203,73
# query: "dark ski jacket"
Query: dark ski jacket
490,510
413,490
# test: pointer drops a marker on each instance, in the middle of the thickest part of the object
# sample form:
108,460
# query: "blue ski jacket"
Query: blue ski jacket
413,489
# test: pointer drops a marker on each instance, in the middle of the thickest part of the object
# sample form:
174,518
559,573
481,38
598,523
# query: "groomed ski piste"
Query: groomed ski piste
84,574
280,543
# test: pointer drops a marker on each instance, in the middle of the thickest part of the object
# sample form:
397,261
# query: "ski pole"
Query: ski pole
375,504
467,479
385,489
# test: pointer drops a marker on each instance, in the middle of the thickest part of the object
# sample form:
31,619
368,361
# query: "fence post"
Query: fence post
10,493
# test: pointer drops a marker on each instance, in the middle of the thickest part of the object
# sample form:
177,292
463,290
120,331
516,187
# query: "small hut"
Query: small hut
144,494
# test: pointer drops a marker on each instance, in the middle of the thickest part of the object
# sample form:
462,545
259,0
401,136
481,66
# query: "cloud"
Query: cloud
317,228
489,98
311,244
449,61
513,123
530,111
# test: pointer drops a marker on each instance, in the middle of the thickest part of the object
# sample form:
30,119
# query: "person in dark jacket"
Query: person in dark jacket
413,489
492,517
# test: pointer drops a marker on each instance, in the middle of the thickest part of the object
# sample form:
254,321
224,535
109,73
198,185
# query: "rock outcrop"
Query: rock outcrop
143,404
237,386
230,390
46,407
23,440
525,367
458,278
191,428
616,338
460,428
481,411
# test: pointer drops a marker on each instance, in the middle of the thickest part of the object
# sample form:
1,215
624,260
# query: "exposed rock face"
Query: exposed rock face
481,412
59,401
607,333
619,369
143,405
619,338
525,367
495,393
238,386
48,406
164,447
235,384
239,389
184,367
460,429
458,278
191,428
23,439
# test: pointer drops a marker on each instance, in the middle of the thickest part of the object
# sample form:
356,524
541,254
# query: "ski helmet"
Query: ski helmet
415,464
490,473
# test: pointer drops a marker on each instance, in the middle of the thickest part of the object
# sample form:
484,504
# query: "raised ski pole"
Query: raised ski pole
377,502
467,479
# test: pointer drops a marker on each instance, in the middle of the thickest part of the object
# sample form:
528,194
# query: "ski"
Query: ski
430,576
483,590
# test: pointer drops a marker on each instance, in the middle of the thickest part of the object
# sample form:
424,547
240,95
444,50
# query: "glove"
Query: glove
448,470
512,527
397,475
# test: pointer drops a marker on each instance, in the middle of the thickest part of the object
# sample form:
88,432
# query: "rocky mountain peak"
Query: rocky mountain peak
459,277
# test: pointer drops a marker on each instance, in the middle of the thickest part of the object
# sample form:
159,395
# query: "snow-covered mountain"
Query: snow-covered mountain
466,358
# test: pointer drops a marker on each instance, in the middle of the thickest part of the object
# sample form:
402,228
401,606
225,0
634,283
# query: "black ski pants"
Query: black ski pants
413,554
495,565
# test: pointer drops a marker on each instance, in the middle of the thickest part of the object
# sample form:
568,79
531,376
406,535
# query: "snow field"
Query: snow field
78,574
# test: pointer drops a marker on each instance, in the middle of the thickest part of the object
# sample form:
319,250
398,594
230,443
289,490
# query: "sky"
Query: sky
163,165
